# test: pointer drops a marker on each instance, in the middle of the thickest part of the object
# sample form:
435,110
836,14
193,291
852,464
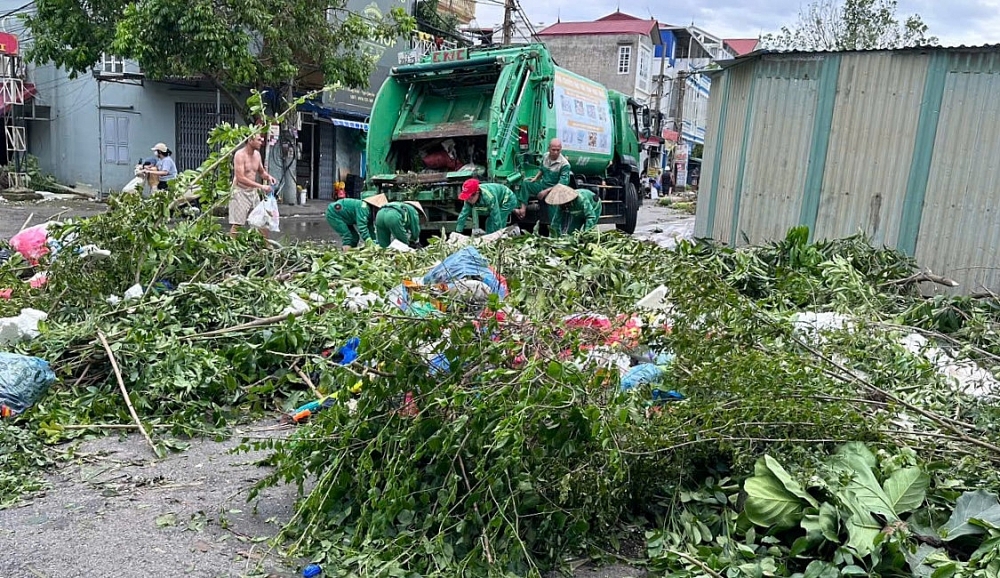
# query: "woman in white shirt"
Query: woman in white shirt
166,169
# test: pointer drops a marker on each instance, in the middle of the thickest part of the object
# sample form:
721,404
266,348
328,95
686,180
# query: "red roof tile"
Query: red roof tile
742,46
615,23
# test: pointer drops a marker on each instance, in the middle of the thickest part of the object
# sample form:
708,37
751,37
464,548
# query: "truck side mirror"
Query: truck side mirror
645,118
646,133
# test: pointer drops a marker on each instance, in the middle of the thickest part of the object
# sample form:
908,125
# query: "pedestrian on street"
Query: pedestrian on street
575,210
399,221
354,219
246,191
165,169
339,190
555,170
667,183
498,200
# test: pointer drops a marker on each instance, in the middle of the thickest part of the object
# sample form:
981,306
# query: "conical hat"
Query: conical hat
378,201
419,208
560,195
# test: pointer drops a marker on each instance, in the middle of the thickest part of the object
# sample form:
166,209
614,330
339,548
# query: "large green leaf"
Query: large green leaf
906,489
977,505
858,461
862,527
774,499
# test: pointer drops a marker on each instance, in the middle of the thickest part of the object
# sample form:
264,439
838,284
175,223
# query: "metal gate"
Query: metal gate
327,160
194,122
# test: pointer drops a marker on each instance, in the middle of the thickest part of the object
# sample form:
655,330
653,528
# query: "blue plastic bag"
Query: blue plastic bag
23,381
642,374
468,263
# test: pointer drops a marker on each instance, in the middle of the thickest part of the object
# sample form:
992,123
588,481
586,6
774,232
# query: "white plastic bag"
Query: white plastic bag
265,214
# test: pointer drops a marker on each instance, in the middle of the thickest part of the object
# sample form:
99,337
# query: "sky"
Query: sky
954,22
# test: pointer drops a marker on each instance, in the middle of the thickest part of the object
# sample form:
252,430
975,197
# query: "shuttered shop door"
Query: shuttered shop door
327,160
194,122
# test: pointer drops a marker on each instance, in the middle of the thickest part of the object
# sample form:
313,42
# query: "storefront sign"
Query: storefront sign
681,165
8,44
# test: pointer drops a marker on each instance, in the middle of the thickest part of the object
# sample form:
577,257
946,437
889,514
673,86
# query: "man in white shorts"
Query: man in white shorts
246,194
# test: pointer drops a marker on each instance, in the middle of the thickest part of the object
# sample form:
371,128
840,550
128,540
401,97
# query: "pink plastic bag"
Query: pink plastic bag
31,243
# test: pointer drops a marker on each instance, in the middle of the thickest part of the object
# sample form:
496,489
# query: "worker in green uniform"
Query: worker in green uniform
352,218
400,221
498,200
575,210
555,170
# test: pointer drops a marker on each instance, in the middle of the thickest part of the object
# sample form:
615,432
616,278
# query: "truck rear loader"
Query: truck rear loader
489,113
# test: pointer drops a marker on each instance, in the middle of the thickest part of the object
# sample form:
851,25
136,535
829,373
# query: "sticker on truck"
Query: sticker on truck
583,115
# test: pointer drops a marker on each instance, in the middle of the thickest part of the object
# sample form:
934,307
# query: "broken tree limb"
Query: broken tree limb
924,276
308,382
121,385
255,324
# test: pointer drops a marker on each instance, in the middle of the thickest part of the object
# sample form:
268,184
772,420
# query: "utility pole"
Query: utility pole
659,102
508,21
288,192
679,121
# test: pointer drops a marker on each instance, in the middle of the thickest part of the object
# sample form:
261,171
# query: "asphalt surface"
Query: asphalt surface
114,510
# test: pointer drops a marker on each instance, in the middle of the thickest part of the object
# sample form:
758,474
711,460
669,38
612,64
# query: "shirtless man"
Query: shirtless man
246,168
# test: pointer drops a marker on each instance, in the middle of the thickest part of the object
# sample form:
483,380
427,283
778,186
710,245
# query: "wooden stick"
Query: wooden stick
256,323
309,382
26,221
924,276
109,426
121,384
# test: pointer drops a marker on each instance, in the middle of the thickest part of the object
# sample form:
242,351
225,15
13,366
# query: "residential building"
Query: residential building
681,96
742,46
616,50
463,10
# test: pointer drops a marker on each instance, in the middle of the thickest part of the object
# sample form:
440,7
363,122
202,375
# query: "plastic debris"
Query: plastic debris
24,326
31,243
134,292
23,381
400,246
359,300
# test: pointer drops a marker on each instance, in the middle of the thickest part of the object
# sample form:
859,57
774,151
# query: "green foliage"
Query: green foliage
851,25
428,14
263,42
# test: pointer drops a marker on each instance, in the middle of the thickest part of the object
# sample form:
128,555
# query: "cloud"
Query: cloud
955,22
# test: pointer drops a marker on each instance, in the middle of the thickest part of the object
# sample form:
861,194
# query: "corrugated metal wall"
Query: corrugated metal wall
901,145
960,225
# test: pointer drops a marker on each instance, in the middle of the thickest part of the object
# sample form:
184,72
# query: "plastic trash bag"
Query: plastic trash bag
24,326
31,242
467,263
265,215
646,373
23,381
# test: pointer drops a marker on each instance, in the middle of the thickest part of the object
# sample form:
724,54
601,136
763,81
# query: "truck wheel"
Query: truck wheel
631,210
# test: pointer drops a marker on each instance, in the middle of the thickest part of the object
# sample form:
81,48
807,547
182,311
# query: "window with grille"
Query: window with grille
624,59
112,64
115,140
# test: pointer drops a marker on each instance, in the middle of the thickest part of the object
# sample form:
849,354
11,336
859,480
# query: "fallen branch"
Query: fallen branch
696,562
121,385
308,382
110,426
924,276
257,323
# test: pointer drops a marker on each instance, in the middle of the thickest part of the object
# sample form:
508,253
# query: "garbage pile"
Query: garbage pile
490,407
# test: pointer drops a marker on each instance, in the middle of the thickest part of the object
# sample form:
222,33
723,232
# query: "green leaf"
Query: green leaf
820,569
855,459
822,525
166,520
862,527
977,505
774,499
907,489
916,560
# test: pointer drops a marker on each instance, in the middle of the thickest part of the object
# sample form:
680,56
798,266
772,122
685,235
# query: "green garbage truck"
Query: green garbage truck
489,113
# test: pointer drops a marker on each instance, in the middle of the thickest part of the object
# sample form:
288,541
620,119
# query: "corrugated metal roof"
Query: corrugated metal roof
723,64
